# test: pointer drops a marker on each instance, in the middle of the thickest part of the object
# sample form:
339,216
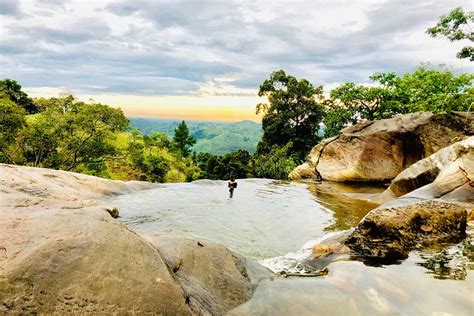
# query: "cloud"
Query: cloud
222,48
9,7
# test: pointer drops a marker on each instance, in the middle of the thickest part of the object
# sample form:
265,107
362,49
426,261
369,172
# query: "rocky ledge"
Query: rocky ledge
430,198
425,204
379,150
61,251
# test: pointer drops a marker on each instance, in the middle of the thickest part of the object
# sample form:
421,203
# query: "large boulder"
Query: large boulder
447,174
215,279
373,151
388,233
75,258
61,252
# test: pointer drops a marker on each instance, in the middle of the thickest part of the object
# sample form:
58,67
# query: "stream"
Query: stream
278,222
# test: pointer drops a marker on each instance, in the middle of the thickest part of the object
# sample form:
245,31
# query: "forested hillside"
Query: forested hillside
212,137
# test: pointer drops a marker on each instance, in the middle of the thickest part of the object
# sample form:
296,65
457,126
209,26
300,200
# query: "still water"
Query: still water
278,222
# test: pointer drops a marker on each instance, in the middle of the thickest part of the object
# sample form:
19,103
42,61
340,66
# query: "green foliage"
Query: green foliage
234,164
41,141
437,91
292,114
183,140
63,137
156,168
212,137
337,117
95,139
79,136
276,164
369,102
149,158
65,104
12,89
12,120
456,26
157,139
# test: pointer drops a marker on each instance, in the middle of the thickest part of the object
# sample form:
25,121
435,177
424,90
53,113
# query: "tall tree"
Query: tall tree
65,140
368,102
456,25
292,114
182,139
12,89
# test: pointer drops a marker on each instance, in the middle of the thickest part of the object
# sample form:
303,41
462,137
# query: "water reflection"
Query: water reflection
345,200
450,262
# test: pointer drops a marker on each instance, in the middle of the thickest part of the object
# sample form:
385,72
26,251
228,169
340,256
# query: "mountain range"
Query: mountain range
213,137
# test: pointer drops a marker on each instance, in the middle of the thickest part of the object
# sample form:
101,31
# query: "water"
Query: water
262,220
278,222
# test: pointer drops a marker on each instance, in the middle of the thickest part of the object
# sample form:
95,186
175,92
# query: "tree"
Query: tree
182,139
275,164
65,104
41,139
233,164
66,140
292,114
456,26
337,117
368,102
157,139
12,89
12,120
87,131
432,90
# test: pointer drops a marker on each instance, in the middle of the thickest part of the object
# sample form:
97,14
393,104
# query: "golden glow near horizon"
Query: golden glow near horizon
212,108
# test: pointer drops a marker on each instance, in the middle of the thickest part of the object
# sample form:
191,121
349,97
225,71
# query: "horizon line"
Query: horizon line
192,120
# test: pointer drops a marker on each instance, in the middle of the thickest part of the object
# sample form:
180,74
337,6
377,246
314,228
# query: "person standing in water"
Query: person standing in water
231,185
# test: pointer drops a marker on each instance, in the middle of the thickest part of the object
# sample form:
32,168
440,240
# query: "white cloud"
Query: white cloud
218,48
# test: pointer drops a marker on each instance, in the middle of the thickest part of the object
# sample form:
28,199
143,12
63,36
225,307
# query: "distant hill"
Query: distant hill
213,137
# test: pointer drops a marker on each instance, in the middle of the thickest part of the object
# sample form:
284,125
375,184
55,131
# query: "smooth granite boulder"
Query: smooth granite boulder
375,151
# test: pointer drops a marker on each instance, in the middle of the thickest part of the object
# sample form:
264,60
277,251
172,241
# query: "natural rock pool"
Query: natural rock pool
278,222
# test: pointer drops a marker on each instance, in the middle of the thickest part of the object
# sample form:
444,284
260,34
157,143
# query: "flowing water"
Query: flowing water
277,223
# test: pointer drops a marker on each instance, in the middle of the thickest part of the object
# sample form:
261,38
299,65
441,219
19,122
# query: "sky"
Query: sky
206,59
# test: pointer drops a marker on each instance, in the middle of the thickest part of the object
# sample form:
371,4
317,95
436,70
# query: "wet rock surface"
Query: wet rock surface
380,150
390,233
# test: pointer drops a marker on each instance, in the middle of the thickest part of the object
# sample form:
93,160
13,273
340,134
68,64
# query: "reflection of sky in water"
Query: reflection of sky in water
270,218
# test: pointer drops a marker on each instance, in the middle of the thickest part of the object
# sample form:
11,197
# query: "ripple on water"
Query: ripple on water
265,218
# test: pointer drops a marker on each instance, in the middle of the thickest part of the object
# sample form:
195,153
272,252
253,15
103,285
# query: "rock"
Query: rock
81,261
447,174
215,279
303,171
114,212
380,150
389,233
61,252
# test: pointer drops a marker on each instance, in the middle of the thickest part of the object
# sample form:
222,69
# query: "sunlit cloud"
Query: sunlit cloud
127,52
